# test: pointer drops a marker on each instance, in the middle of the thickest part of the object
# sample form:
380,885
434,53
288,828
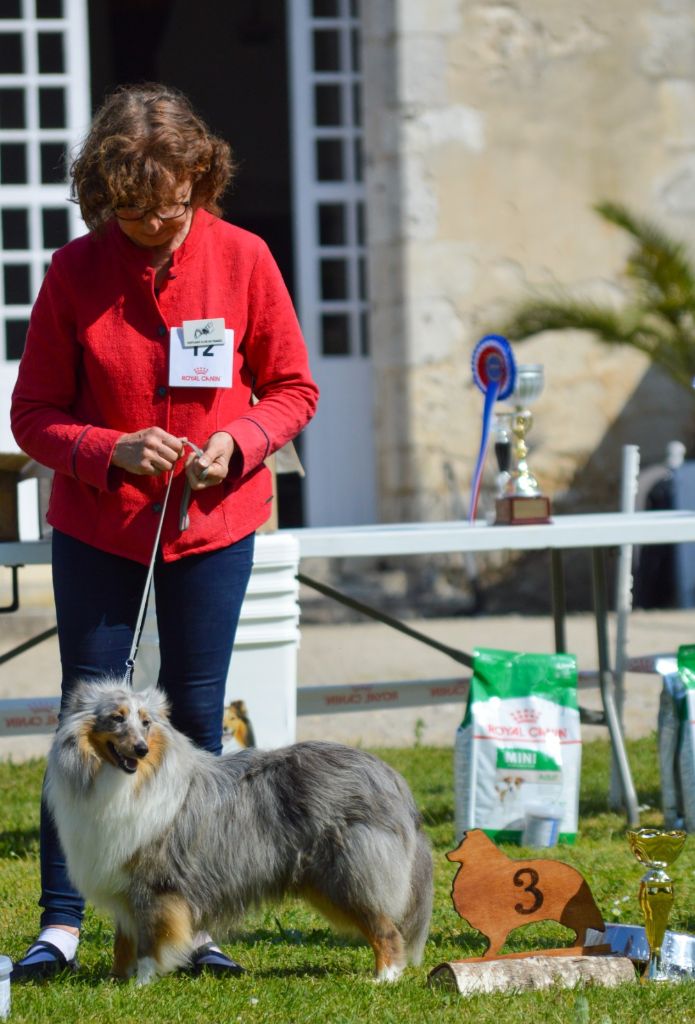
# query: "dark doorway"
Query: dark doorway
230,59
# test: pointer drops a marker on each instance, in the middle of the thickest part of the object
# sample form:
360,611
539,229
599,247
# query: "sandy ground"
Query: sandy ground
370,652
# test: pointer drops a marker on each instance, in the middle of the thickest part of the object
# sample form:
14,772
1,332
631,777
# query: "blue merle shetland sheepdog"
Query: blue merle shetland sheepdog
170,839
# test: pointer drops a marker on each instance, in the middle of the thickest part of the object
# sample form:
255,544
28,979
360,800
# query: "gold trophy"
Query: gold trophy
520,500
657,849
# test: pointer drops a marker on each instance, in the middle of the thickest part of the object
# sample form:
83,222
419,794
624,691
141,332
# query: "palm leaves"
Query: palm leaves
659,317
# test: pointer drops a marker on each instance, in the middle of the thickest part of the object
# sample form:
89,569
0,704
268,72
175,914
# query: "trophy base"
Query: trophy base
522,509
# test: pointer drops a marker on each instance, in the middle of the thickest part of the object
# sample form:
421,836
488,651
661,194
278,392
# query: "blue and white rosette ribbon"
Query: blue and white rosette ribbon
494,372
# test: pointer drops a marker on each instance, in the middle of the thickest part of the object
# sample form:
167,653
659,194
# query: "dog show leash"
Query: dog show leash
183,525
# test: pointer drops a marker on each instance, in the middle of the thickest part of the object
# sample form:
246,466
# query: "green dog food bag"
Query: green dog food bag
519,745
686,734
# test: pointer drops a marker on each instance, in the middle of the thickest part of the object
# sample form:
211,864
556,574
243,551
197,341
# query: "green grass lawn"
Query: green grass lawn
300,971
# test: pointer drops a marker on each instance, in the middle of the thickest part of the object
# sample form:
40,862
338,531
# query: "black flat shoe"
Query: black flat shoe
207,960
44,960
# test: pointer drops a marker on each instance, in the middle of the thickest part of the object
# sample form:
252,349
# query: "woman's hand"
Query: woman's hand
147,452
210,468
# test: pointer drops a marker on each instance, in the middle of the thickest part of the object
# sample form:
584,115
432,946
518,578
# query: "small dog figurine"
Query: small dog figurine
170,839
496,894
237,731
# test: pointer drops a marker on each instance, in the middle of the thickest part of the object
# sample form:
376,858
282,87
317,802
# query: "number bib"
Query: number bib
200,354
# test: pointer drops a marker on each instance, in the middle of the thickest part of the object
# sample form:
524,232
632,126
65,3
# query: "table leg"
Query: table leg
14,604
558,598
607,689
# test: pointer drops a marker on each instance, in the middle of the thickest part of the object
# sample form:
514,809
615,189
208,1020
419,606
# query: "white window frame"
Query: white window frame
34,196
325,504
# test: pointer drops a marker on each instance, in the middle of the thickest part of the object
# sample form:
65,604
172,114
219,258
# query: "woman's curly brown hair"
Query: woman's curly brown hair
144,143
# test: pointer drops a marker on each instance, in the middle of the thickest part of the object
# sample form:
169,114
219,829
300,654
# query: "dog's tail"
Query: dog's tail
415,923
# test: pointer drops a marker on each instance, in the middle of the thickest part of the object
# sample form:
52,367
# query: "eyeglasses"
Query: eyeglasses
172,212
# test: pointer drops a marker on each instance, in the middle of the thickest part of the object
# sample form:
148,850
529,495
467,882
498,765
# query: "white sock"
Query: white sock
65,941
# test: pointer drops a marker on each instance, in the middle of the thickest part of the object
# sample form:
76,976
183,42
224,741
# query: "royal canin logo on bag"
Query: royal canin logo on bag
200,369
526,716
523,730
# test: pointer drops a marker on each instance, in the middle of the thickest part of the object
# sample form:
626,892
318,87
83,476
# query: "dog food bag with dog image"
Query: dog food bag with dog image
519,745
676,734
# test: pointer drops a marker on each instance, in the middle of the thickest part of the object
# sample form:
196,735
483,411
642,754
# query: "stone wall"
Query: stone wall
491,129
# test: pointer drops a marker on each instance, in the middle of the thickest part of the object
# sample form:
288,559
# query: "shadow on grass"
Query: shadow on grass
688,924
84,977
294,937
438,815
519,940
19,842
296,972
468,945
595,801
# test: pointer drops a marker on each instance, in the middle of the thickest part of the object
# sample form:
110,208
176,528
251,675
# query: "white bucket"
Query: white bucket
541,826
263,670
5,969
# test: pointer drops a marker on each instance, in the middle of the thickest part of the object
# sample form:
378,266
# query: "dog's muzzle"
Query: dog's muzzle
129,764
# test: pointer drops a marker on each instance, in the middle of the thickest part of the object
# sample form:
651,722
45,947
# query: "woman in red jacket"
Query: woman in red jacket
152,331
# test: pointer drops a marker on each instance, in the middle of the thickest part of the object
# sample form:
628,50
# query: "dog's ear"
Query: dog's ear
156,702
80,699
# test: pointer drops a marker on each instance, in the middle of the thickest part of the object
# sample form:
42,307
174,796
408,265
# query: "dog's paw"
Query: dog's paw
147,971
390,973
123,973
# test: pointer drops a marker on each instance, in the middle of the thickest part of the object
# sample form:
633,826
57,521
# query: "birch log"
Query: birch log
533,972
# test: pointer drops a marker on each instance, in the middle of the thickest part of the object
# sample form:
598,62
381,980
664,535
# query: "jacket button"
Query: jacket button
157,507
161,330
161,391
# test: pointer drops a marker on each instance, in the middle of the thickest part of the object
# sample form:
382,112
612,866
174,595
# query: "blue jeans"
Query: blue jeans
97,597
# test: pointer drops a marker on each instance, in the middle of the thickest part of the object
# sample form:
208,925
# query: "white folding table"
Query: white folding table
594,532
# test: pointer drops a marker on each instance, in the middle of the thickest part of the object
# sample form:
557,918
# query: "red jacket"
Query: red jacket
95,367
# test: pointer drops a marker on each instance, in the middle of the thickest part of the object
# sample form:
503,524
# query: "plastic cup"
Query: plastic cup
541,826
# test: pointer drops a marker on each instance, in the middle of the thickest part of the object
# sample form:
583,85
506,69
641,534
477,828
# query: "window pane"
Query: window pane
11,60
335,334
13,163
52,163
325,8
331,224
364,334
334,279
326,50
355,48
329,160
358,159
15,336
52,108
327,105
56,229
359,219
15,229
49,8
12,108
51,53
10,9
357,104
17,285
362,278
